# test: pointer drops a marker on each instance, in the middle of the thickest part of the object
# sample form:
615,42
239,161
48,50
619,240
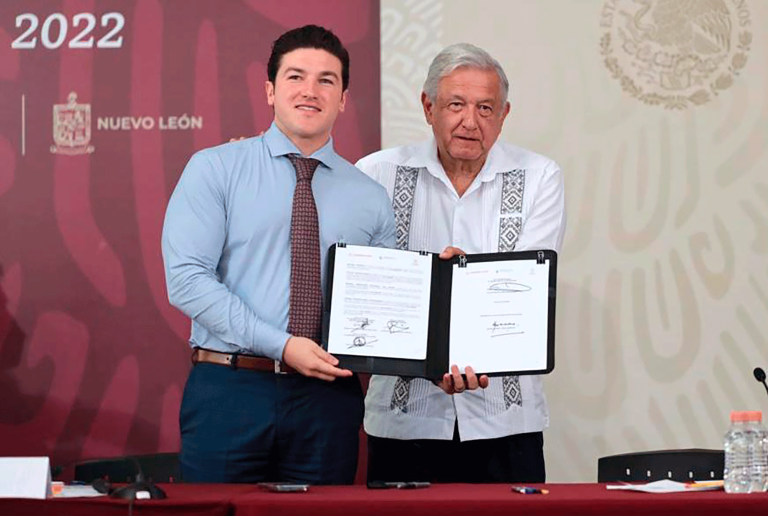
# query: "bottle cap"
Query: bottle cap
746,415
738,416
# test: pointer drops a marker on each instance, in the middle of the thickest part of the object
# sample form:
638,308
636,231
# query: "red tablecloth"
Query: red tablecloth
183,499
485,500
438,500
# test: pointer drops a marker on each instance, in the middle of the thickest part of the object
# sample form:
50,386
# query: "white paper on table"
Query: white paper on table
665,486
380,303
499,314
70,491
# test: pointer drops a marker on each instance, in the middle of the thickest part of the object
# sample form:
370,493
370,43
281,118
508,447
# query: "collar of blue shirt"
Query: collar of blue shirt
280,145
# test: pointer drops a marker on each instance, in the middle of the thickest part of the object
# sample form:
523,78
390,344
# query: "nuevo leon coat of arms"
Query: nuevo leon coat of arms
675,53
72,127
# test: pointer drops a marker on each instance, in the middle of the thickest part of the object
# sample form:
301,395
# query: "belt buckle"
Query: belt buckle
277,368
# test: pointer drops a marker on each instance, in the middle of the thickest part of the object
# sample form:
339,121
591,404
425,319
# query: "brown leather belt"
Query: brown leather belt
237,361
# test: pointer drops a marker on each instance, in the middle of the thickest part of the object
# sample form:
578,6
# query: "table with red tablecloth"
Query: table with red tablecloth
496,499
440,500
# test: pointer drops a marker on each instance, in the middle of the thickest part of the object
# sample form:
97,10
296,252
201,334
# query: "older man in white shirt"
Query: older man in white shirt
463,191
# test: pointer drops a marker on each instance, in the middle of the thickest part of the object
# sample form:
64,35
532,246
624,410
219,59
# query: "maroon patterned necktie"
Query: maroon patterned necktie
306,302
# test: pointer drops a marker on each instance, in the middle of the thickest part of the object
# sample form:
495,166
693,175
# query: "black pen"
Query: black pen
377,484
411,485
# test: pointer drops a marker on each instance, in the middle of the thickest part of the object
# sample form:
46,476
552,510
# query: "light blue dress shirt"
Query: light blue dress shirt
227,237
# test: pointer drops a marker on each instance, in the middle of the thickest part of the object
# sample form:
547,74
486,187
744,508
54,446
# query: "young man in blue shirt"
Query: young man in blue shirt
263,403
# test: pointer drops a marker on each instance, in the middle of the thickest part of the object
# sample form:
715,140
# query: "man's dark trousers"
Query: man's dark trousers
240,425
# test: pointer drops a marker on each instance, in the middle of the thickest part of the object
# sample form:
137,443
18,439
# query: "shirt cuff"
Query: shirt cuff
274,343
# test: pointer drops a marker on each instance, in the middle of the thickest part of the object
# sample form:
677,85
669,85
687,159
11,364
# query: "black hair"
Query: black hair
308,36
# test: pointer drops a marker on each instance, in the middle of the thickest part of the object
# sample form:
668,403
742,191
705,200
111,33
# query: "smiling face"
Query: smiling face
466,116
307,96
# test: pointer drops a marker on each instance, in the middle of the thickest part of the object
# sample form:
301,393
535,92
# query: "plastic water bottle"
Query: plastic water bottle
759,455
738,445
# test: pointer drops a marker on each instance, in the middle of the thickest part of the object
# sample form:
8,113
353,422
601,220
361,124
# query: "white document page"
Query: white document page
380,303
499,316
668,486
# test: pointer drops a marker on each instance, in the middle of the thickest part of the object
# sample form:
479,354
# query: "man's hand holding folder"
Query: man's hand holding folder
454,383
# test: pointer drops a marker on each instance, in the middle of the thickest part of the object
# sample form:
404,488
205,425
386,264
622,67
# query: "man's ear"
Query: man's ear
428,107
507,108
343,102
269,88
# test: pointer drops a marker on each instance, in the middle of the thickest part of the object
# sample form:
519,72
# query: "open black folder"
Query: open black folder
409,313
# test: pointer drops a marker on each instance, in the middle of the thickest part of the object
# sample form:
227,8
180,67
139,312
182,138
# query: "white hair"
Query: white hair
462,55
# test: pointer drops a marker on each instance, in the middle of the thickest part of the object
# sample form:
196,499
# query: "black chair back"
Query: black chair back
156,467
679,465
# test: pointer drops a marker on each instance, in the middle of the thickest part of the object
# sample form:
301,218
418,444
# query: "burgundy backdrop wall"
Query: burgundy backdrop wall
101,105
